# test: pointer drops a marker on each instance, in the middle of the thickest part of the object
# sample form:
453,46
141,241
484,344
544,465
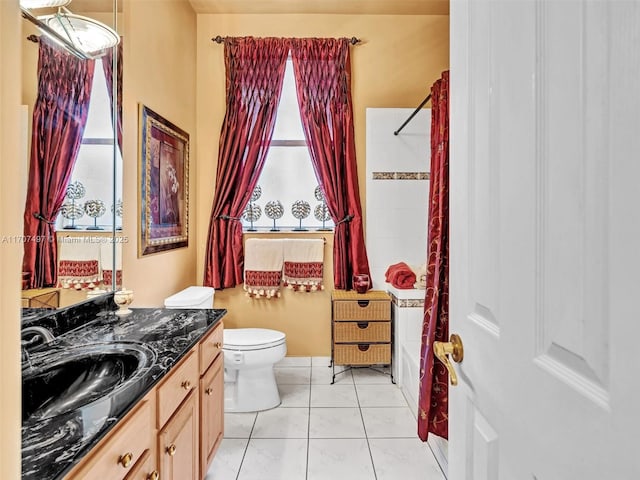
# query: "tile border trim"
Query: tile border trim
400,175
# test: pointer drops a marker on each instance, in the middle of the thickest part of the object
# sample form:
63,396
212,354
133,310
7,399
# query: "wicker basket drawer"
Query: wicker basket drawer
372,310
361,332
362,354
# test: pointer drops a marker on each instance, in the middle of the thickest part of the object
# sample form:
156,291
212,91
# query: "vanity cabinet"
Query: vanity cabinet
361,328
174,432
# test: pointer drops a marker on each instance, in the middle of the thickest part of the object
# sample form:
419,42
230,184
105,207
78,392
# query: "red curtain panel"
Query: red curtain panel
433,403
254,74
107,65
322,69
59,118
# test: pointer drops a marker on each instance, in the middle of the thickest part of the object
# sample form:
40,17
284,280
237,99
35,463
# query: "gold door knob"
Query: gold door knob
186,385
217,345
454,348
125,460
209,391
171,449
153,476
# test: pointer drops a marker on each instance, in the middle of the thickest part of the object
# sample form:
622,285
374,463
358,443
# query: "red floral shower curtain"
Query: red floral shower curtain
433,403
322,70
59,118
255,71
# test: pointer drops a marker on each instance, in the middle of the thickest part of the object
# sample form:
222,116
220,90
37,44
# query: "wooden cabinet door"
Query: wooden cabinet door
178,443
211,413
145,468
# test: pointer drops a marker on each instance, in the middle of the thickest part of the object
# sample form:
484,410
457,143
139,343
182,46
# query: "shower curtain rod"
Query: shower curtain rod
219,39
415,112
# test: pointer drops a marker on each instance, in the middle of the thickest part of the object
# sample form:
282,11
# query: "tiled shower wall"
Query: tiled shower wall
397,189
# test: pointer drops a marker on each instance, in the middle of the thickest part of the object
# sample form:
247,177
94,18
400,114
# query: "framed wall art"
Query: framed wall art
164,184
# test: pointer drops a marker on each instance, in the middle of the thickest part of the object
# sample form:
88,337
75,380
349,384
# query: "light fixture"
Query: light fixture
31,4
82,36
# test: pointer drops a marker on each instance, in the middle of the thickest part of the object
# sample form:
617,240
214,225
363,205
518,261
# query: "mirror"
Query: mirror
89,223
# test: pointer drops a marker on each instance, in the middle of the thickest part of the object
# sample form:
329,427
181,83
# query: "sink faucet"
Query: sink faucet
40,332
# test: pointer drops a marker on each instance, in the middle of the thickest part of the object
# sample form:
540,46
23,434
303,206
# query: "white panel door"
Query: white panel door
545,239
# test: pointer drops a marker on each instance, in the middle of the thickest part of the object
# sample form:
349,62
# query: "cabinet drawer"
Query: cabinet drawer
362,354
371,310
351,332
125,446
210,347
177,386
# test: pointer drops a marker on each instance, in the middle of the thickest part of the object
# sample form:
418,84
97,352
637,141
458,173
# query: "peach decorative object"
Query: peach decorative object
123,299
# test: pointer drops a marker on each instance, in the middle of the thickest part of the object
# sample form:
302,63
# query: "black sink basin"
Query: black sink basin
60,381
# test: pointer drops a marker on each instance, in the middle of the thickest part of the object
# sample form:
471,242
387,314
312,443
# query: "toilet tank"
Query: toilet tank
191,297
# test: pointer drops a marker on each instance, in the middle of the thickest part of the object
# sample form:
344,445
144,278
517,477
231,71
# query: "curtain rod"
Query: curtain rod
219,39
415,112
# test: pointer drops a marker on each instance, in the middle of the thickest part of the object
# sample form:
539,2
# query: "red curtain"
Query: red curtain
59,118
433,403
254,73
107,65
322,69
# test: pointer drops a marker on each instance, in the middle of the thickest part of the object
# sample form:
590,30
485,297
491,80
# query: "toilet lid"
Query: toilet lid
251,338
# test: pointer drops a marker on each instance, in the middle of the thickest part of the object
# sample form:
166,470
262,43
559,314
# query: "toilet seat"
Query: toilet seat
248,339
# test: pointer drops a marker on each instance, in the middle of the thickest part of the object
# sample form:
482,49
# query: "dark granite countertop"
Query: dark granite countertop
52,446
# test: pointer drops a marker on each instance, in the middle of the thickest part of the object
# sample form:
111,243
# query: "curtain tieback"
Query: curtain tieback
42,218
348,218
228,217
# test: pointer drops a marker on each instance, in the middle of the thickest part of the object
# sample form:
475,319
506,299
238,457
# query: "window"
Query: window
288,176
92,176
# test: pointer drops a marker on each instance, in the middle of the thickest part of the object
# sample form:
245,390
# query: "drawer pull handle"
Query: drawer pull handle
153,476
186,385
218,344
363,303
363,325
171,449
209,391
125,460
363,347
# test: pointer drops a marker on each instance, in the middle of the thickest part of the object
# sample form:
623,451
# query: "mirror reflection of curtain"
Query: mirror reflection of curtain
107,63
59,117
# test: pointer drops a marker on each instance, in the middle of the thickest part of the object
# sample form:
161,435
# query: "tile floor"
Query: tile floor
360,428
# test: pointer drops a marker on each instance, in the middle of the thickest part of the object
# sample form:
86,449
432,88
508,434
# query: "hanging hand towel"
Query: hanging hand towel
106,263
262,267
303,264
78,262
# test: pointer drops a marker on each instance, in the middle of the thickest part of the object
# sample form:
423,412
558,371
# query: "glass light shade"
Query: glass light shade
30,4
85,34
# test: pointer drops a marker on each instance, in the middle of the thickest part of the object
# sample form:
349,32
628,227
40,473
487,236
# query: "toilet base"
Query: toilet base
253,390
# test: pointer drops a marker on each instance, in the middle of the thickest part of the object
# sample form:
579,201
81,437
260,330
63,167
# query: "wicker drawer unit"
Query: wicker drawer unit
361,329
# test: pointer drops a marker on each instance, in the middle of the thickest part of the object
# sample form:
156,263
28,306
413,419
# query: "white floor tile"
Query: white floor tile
320,361
226,463
336,423
404,458
238,425
323,376
280,459
293,375
339,459
389,423
294,395
380,396
282,423
333,396
294,362
367,376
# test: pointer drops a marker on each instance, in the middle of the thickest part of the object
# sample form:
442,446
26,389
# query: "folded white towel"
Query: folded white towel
304,264
263,267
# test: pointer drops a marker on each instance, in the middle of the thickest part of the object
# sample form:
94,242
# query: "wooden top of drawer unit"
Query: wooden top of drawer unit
177,385
353,295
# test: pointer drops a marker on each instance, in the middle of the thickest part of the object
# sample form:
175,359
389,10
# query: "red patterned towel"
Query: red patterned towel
400,276
303,264
262,267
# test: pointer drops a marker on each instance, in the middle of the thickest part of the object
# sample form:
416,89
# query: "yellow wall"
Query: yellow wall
11,194
400,58
160,72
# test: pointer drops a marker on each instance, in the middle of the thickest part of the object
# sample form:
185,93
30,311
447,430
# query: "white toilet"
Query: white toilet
249,357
